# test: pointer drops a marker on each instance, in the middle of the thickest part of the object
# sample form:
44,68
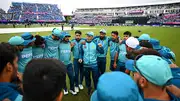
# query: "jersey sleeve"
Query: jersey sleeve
18,98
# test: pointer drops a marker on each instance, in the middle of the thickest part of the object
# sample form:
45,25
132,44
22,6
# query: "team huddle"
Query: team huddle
141,58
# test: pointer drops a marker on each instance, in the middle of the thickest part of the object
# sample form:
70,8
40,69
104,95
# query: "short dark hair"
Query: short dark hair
149,52
115,32
132,55
127,33
136,37
7,54
78,31
43,80
146,44
39,40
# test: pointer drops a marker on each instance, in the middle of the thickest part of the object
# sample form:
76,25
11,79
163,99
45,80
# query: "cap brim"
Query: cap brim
26,42
94,96
157,47
89,35
173,57
130,65
57,35
102,32
23,44
67,36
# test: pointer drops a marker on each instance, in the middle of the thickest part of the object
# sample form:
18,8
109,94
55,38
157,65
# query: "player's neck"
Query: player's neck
156,93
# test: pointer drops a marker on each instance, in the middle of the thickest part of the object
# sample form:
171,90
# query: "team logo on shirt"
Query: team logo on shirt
53,48
26,55
93,47
65,51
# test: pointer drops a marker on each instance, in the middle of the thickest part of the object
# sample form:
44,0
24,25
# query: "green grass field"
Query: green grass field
167,36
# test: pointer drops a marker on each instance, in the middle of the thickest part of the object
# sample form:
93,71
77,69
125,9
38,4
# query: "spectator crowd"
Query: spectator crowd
35,12
166,18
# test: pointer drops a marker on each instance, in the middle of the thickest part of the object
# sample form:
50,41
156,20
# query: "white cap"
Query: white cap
132,42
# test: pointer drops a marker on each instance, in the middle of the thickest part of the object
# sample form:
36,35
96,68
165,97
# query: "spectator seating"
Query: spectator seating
36,12
166,19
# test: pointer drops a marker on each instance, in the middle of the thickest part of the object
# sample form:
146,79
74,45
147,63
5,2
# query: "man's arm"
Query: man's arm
100,48
81,54
72,43
173,89
116,57
115,60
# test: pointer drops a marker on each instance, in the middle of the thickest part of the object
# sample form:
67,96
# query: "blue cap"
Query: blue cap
16,40
129,64
155,69
103,31
173,56
156,44
116,86
65,34
28,38
56,32
90,34
144,37
167,53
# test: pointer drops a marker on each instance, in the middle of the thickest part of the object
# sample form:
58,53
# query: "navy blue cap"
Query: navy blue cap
28,38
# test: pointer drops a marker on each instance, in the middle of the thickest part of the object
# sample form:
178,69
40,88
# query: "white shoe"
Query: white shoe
72,92
76,89
81,87
65,92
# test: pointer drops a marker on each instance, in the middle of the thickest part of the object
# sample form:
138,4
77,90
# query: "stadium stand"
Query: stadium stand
36,12
1,16
2,11
166,19
161,13
5,17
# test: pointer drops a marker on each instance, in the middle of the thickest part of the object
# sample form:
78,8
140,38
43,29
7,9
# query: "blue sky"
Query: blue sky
68,6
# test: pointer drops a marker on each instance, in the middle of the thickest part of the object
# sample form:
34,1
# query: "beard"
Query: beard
56,39
101,38
14,78
20,49
77,39
67,40
139,87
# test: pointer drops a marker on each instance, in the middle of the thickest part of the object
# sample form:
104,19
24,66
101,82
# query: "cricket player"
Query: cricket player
26,55
113,44
65,57
89,56
51,44
78,65
101,58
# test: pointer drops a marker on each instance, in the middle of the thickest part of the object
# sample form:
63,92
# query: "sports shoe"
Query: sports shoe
81,87
72,92
76,89
65,92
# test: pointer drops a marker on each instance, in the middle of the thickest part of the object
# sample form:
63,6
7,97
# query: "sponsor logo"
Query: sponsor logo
53,48
38,56
26,55
65,51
